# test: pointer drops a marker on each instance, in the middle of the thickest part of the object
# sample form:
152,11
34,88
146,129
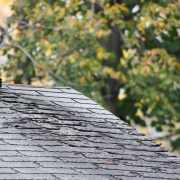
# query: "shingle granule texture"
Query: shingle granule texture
58,133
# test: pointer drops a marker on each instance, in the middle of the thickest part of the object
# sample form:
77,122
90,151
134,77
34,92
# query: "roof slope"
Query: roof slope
57,133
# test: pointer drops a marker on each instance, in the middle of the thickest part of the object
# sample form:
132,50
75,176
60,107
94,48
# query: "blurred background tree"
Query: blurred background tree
123,54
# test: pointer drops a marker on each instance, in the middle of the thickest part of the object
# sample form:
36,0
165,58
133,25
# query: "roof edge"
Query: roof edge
29,86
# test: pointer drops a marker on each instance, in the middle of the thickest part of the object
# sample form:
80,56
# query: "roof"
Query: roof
58,133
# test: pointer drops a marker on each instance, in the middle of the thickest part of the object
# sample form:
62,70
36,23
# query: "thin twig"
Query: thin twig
124,39
56,28
24,50
40,67
23,24
121,34
163,137
7,35
92,12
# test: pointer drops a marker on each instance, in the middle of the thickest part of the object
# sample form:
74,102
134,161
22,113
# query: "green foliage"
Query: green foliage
175,144
102,52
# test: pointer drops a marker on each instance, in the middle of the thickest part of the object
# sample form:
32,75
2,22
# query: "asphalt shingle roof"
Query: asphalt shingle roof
58,133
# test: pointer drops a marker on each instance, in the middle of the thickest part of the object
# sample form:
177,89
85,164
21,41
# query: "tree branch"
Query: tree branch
24,24
102,8
92,12
6,35
124,39
164,137
40,67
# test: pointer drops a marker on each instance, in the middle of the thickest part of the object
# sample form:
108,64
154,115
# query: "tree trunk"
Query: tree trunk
113,44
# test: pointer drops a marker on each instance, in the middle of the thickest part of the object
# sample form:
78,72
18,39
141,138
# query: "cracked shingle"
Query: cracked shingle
58,133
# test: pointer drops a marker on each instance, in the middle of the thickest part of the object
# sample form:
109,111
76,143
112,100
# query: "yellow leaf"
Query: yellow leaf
88,14
64,63
89,75
91,30
60,14
45,43
76,53
100,49
122,94
105,20
119,22
79,3
107,5
16,32
93,1
123,78
157,98
177,64
155,24
125,54
161,24
147,100
143,38
116,75
19,72
72,59
149,110
153,53
123,8
30,22
5,2
48,52
99,55
99,33
15,24
147,68
72,22
57,8
64,73
139,113
109,70
82,79
152,8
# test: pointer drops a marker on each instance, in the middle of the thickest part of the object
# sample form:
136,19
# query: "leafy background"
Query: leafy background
125,55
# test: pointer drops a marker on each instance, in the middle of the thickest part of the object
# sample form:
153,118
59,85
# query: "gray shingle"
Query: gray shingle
19,88
67,165
82,177
69,91
45,99
44,170
26,176
64,95
7,171
57,133
29,159
18,164
27,92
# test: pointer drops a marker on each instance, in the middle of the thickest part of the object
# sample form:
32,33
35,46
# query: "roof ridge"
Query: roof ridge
24,85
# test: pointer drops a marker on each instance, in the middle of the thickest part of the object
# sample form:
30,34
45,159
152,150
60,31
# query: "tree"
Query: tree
123,54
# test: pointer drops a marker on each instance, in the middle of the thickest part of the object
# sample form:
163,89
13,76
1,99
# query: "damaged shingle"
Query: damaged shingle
57,133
